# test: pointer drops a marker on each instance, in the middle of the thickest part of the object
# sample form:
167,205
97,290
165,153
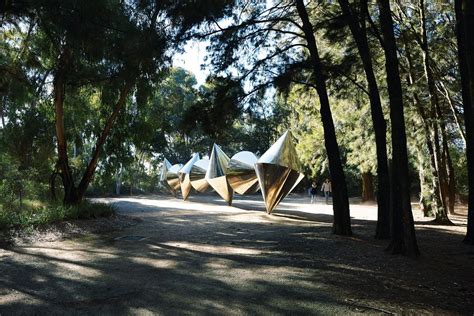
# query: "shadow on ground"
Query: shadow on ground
194,258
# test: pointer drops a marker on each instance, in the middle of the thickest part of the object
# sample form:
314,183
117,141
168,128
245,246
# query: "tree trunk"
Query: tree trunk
367,187
59,86
451,180
359,33
464,25
2,110
403,229
342,220
118,180
424,202
436,205
436,121
73,194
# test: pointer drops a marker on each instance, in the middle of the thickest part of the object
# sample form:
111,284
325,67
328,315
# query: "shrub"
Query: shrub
34,213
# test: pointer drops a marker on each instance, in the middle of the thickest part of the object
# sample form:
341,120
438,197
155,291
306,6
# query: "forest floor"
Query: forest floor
161,255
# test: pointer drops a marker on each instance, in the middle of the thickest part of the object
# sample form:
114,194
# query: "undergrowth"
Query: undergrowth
32,214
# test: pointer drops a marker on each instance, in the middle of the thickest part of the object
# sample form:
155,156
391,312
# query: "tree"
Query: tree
119,46
356,20
403,239
342,224
464,24
280,32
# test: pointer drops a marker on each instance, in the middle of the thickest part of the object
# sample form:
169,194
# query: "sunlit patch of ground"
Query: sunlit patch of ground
204,257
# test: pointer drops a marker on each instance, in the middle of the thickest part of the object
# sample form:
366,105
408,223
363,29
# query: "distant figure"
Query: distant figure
313,192
326,188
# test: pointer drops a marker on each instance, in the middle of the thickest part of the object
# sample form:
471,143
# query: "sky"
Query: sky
192,58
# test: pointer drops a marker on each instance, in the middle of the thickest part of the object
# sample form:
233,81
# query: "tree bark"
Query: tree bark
342,220
436,121
403,239
359,33
464,25
59,86
367,187
424,203
2,110
436,196
118,180
73,194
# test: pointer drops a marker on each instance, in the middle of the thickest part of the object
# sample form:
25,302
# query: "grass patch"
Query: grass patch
35,213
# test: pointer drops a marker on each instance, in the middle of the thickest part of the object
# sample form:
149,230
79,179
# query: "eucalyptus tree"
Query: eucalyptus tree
355,16
464,25
114,47
271,45
403,239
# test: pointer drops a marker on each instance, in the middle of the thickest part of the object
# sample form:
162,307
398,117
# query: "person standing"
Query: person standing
313,192
326,188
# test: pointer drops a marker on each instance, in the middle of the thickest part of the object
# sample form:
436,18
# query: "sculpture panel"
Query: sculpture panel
184,179
197,175
241,173
216,174
278,171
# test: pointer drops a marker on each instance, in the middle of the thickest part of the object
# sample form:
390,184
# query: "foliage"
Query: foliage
34,213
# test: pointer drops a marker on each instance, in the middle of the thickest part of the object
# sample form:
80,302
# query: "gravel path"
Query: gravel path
203,257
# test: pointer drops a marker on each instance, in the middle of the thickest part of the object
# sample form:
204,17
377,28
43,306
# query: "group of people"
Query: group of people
325,188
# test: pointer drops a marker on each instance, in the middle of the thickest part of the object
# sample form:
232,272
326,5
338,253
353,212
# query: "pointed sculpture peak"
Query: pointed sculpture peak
282,153
187,167
167,163
218,163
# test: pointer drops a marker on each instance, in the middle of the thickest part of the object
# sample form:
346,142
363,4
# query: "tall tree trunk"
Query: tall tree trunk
367,187
424,202
403,228
451,181
73,194
436,120
2,110
436,197
342,220
359,33
464,25
59,86
118,180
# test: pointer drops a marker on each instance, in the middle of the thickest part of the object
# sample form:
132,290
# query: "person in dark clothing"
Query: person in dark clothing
313,192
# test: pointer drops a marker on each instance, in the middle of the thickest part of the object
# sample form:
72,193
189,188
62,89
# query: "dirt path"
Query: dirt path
203,257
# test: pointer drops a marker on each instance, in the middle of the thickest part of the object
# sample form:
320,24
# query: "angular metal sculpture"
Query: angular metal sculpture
184,179
216,174
164,170
197,174
172,177
241,173
278,171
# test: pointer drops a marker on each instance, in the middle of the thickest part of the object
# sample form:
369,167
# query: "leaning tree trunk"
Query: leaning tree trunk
342,220
359,33
403,229
464,25
87,177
